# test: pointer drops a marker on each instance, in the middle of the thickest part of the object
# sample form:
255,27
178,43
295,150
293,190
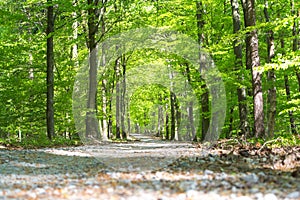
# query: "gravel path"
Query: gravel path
148,169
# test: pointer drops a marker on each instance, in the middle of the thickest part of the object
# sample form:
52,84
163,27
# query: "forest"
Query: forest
150,99
104,69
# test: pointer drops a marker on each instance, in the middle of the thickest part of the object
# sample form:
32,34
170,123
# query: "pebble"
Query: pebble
243,198
251,178
294,195
270,196
208,172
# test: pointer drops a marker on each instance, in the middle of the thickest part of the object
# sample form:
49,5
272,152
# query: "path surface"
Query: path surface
146,169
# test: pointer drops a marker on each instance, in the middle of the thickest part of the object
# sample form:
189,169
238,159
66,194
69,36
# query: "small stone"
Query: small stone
243,198
270,197
254,190
191,194
208,172
32,195
251,178
294,195
259,196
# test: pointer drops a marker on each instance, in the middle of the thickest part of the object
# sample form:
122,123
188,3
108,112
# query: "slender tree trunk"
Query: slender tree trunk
247,40
205,94
110,88
178,119
128,119
298,78
118,99
271,77
241,91
191,126
172,106
122,98
92,125
74,59
160,121
167,124
137,128
296,37
288,96
104,121
172,115
50,73
253,60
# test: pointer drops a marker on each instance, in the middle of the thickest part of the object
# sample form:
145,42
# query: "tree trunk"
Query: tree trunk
122,98
190,125
173,123
110,88
205,94
172,106
104,122
118,99
298,78
160,121
178,119
296,37
288,96
253,61
92,125
128,119
271,78
241,91
50,74
167,124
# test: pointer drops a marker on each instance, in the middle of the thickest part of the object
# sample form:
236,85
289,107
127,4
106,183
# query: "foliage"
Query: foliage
23,71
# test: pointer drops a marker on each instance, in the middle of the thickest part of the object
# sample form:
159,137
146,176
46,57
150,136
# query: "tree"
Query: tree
118,96
50,68
205,94
92,127
253,62
295,35
271,77
241,91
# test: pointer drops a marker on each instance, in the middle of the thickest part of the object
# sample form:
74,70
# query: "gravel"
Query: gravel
129,171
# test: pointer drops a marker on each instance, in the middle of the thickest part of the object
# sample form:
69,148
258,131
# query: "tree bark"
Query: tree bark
296,37
271,77
241,91
104,121
172,106
92,125
253,60
122,98
118,99
190,125
173,123
50,73
288,96
178,119
205,94
160,121
167,124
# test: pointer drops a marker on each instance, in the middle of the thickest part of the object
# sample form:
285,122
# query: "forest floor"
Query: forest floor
151,169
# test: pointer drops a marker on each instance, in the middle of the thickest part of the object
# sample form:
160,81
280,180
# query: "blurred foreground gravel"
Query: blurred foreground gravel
141,170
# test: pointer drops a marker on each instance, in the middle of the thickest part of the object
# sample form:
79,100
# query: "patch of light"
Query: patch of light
67,153
149,8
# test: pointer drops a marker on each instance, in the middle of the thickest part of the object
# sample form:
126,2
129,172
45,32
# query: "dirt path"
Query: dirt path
146,169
